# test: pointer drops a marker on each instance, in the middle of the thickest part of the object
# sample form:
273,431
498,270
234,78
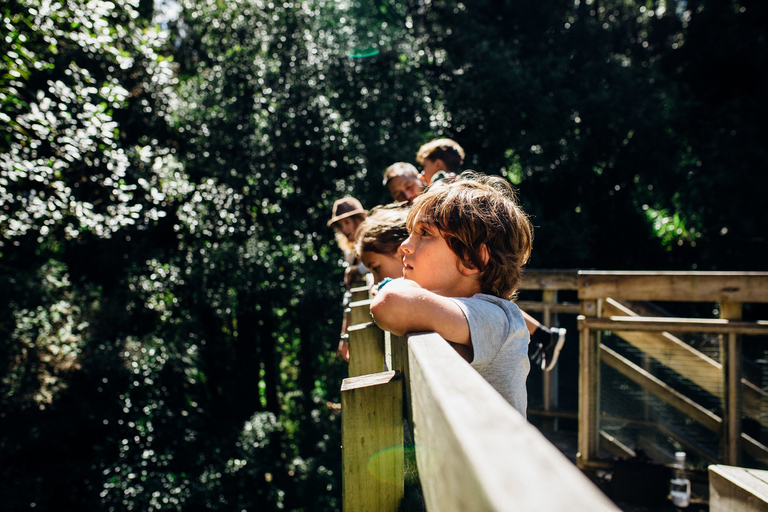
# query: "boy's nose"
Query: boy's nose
406,245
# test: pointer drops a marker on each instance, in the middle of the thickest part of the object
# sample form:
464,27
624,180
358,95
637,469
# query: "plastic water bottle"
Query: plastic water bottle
679,486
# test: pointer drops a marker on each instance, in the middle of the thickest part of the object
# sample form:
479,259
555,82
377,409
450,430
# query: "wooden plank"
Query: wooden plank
755,448
674,286
647,381
399,360
549,280
372,442
366,349
672,352
614,446
361,312
732,404
655,324
549,380
539,307
695,366
734,488
360,293
589,390
475,452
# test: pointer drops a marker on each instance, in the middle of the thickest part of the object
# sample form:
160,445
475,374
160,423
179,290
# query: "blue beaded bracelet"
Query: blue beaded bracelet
383,282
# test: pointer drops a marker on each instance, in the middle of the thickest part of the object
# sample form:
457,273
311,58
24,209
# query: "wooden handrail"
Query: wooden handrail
673,286
474,451
446,403
655,324
603,294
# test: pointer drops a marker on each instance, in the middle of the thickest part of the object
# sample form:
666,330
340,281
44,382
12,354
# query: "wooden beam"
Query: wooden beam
674,286
680,357
647,381
360,293
366,349
734,488
372,442
539,307
732,403
656,324
614,446
361,312
589,389
549,280
475,452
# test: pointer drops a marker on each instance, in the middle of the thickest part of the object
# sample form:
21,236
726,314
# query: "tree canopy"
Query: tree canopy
170,293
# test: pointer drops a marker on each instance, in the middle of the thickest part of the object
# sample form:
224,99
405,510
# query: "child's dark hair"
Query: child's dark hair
383,230
476,211
446,150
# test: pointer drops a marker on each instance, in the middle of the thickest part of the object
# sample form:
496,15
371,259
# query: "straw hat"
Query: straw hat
346,207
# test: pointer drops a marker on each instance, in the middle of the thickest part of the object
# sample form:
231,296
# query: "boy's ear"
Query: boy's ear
485,254
468,270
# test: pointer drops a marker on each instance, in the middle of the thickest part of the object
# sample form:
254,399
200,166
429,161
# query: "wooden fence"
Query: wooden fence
473,451
604,298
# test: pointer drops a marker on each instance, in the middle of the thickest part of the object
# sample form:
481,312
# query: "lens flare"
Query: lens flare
362,53
386,465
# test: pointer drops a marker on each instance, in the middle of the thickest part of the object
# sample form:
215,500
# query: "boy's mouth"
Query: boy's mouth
406,266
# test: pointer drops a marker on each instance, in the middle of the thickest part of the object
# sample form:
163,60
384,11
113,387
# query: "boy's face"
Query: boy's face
405,188
430,262
348,226
383,265
430,168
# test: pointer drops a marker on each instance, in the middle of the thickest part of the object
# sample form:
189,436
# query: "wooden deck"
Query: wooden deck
648,360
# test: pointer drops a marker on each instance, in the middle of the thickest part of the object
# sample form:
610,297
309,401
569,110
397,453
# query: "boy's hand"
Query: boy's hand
402,306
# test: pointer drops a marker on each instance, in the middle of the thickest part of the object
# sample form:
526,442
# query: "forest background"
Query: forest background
169,290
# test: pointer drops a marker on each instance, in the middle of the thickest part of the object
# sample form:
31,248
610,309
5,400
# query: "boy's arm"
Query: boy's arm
402,306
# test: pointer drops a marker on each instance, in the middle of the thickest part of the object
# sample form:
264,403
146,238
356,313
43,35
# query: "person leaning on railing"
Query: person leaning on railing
347,215
442,159
468,241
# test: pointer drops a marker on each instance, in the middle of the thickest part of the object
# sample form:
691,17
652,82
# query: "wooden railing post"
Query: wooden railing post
360,312
372,442
731,359
589,387
550,378
366,349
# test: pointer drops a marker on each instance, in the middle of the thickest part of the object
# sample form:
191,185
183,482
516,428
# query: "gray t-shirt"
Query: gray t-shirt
500,343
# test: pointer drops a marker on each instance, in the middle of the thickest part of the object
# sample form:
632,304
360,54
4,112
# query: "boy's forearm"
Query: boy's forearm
402,307
390,310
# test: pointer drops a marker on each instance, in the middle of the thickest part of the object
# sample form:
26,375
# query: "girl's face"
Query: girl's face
348,226
383,265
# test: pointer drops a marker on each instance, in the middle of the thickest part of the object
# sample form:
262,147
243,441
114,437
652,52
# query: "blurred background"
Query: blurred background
170,294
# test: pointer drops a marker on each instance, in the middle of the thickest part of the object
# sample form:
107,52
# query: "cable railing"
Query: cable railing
666,383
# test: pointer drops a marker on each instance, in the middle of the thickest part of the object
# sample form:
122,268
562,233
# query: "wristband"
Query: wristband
383,282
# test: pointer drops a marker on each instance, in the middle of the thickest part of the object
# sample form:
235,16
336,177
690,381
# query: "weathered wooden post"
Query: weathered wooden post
366,349
731,359
372,442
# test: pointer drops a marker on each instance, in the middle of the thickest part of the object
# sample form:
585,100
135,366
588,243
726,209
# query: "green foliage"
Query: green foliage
169,290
